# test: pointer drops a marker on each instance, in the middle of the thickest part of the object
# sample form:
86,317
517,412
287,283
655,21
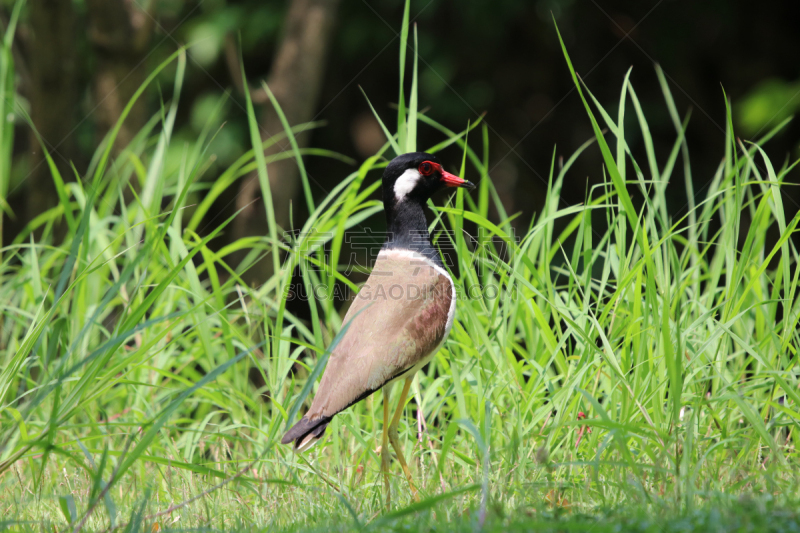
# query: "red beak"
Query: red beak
451,180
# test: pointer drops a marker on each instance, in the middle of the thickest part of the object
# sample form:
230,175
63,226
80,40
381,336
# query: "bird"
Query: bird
400,317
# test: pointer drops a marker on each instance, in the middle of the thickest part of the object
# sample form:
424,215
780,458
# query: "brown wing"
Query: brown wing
406,320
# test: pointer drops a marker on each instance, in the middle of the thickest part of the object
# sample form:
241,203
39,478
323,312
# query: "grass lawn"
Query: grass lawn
626,364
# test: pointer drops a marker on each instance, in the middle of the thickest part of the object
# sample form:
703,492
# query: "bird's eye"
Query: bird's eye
426,169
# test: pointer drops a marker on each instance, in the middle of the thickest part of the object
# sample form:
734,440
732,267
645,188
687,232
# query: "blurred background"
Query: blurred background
78,62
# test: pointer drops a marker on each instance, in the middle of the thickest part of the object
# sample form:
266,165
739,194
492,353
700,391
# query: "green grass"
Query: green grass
7,112
125,349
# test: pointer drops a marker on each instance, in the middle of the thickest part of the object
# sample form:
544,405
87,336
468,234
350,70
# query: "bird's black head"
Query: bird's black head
415,177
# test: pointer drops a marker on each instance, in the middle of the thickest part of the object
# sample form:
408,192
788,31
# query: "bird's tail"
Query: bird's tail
306,433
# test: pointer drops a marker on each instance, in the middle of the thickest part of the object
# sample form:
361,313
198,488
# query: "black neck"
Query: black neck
408,230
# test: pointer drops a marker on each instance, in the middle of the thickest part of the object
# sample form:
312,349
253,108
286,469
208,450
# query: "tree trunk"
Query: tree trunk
53,98
296,81
119,32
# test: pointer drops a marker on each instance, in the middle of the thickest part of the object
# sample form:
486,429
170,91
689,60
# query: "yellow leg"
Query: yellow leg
385,457
393,438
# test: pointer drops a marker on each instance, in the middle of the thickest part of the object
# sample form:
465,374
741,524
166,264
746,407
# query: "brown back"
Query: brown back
406,302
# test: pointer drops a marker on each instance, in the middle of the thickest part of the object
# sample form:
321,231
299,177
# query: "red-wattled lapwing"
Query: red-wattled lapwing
412,302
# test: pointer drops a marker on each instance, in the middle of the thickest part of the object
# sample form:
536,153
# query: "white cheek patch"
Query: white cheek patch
406,183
